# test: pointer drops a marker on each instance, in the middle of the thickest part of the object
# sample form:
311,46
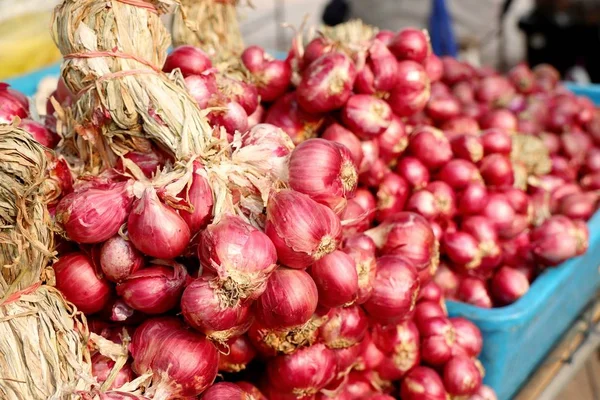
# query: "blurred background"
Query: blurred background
499,33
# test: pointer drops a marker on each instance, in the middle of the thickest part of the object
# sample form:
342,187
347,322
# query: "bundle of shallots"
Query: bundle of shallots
210,24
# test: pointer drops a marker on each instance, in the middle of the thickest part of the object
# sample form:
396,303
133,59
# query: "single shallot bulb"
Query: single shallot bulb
272,77
156,229
201,198
468,147
315,231
473,199
202,88
473,291
459,174
462,376
422,383
468,337
434,68
327,83
366,116
430,146
425,310
209,310
437,340
391,196
184,363
337,133
395,289
189,59
155,289
380,72
414,171
304,372
484,393
412,91
102,367
241,353
497,170
393,141
14,104
119,259
77,280
462,249
508,285
411,44
268,148
400,344
290,299
336,278
286,114
362,250
558,239
344,327
40,133
325,171
93,215
224,391
242,256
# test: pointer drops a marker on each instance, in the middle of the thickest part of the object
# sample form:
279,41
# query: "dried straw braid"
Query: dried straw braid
209,24
43,351
113,52
25,234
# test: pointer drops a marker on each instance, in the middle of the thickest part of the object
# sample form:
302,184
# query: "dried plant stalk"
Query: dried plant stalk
531,152
209,24
43,351
25,235
113,54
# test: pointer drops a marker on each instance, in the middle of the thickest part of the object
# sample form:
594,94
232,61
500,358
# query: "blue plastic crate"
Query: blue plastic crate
516,337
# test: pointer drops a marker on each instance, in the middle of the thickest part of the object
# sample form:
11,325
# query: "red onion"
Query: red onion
240,354
578,205
447,280
337,133
443,108
324,170
366,115
155,289
238,92
499,118
148,162
575,145
437,340
102,367
412,89
119,259
316,230
189,59
430,146
508,285
268,148
556,240
232,118
468,147
559,193
39,132
400,344
94,215
326,83
210,310
374,176
424,203
425,310
393,141
380,71
562,168
336,278
484,393
367,202
354,219
591,181
345,327
272,77
464,92
500,212
409,235
455,71
184,363
483,230
385,36
516,250
411,44
77,280
290,299
316,48
224,391
468,337
200,197
592,160
434,68
462,249
495,90
391,196
297,123
362,250
462,377
422,383
242,257
444,198
496,170
473,199
252,390
304,372
414,171
473,291
430,292
14,104
257,117
522,77
156,229
459,174
370,150
462,125
395,289
202,88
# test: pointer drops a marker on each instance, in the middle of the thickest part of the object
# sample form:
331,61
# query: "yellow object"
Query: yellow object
26,44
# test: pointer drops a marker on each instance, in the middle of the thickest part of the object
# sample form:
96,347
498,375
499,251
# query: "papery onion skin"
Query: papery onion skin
303,373
270,342
119,259
461,376
327,83
366,116
77,280
325,171
40,133
290,299
316,230
468,336
201,198
241,353
102,367
206,308
345,327
286,114
362,250
155,289
336,278
224,391
395,289
95,214
242,256
422,383
184,362
156,229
